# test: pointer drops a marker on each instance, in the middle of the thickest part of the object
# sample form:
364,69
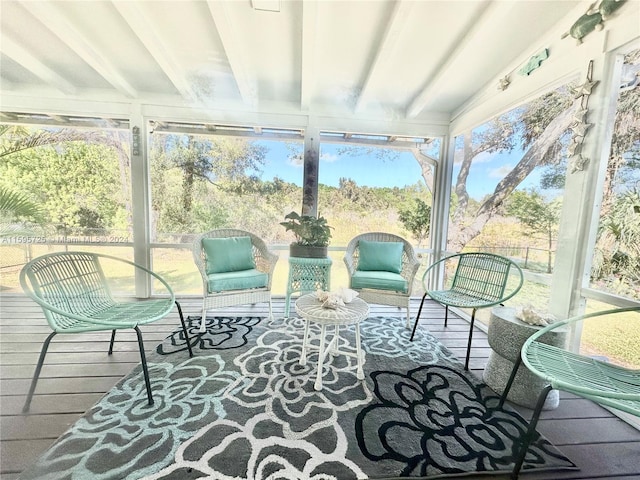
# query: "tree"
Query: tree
617,255
16,138
72,173
538,128
15,209
183,167
417,220
536,214
624,156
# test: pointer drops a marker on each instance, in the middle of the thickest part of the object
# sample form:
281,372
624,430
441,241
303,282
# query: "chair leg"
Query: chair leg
415,325
473,317
512,377
287,304
446,315
113,338
36,374
145,370
408,315
531,430
184,329
203,320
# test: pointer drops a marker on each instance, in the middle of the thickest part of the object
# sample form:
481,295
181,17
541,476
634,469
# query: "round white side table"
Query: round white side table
311,310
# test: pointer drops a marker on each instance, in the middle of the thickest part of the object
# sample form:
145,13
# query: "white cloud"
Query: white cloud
329,157
501,171
295,161
484,157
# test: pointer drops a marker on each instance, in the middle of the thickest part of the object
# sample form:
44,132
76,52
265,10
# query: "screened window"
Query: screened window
507,190
616,259
79,178
376,183
205,177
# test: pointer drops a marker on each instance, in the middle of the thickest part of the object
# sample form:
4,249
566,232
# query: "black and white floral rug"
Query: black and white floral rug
244,408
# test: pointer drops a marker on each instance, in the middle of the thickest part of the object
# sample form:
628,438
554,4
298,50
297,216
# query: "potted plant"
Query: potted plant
312,235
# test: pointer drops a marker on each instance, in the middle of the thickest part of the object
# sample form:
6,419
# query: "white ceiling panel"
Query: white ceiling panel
400,59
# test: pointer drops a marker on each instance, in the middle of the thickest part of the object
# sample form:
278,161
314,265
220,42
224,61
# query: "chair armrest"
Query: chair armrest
600,381
27,288
410,269
575,319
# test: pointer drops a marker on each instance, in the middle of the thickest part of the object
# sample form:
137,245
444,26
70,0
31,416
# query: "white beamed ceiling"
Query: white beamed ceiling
406,60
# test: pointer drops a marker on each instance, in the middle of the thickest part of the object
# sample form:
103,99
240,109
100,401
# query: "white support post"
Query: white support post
582,201
311,170
140,200
441,204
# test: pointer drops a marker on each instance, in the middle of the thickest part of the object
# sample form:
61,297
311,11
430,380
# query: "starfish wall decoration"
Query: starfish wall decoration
579,126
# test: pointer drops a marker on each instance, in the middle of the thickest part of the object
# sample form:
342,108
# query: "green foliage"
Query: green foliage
538,114
199,184
16,205
75,183
308,230
16,208
417,219
616,261
385,154
533,211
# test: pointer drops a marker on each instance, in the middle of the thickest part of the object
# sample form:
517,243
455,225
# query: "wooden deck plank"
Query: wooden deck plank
598,460
78,372
16,455
574,431
29,427
20,386
51,403
71,358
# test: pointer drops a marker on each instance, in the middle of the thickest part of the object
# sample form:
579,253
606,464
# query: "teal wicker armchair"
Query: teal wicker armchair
75,296
244,272
479,281
387,278
597,380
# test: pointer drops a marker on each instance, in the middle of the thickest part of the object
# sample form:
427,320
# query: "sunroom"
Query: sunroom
507,127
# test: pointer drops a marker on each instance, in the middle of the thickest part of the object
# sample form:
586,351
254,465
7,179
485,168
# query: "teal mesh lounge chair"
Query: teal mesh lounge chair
479,280
75,296
236,269
381,268
599,381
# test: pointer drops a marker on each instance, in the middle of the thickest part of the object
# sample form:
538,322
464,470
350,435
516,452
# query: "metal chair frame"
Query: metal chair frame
599,381
480,281
74,294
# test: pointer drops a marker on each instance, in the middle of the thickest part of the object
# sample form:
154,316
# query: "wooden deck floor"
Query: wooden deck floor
78,372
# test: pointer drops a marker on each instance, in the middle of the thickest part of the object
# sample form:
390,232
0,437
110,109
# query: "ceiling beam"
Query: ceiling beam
23,57
8,116
152,40
466,38
385,49
308,52
49,14
63,121
7,84
229,36
195,130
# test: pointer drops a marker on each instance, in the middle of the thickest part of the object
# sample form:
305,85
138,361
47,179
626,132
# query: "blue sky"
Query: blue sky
486,171
364,170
